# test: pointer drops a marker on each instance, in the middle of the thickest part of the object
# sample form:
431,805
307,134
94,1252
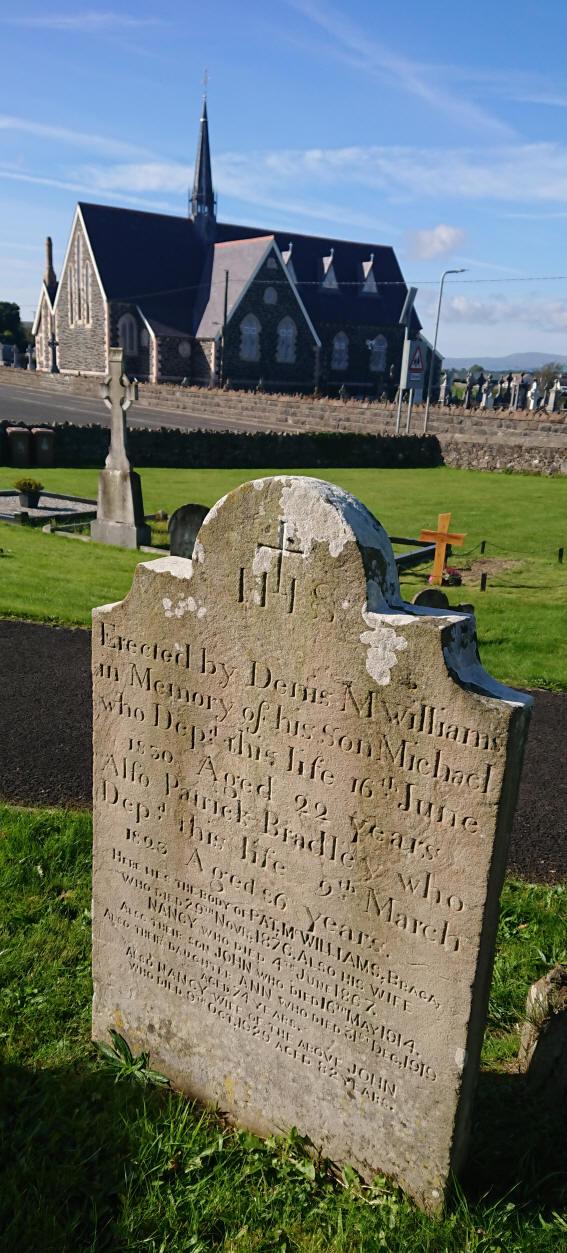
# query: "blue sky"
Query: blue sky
437,128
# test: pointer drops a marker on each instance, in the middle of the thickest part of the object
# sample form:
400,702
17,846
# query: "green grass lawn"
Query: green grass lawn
521,617
90,1163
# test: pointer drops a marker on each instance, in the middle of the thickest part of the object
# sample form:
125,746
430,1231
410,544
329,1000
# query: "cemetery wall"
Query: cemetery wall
516,442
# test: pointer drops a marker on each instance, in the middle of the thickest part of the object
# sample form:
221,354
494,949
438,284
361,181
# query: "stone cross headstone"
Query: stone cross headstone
533,395
303,793
486,395
120,510
554,396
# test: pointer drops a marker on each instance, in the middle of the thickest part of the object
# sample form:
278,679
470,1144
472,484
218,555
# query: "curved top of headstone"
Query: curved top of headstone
334,544
312,512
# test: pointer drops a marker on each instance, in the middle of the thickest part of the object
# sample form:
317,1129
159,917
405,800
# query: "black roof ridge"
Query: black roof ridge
147,213
276,230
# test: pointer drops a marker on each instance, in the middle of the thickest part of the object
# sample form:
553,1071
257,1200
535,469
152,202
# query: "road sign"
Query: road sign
416,361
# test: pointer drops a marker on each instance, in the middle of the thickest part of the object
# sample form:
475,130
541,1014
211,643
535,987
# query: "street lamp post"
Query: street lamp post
432,362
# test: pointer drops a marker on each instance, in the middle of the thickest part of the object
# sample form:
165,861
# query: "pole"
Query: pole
410,407
432,362
400,389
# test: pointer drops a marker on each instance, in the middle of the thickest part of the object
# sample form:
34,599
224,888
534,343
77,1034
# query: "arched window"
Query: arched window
128,334
339,356
71,281
79,280
287,334
250,338
378,347
87,292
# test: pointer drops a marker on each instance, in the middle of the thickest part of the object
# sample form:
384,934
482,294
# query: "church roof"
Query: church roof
241,258
165,265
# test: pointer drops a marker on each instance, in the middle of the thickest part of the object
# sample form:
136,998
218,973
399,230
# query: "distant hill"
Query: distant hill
514,361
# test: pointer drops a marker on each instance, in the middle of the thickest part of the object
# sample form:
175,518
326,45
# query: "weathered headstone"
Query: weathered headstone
183,527
303,791
120,510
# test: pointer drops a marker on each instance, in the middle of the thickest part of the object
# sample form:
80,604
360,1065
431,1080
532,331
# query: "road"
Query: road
36,406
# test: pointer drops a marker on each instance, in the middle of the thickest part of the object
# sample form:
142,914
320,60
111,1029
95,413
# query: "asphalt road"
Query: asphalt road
35,406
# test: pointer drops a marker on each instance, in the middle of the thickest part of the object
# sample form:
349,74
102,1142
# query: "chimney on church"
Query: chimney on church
49,277
202,204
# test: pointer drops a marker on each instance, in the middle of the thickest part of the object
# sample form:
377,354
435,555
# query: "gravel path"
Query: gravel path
45,743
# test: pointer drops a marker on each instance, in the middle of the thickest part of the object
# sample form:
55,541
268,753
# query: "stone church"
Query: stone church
195,299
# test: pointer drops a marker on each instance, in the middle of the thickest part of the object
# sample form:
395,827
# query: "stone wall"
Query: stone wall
359,377
82,345
502,440
283,376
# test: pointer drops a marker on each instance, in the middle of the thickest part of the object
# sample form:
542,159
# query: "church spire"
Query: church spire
202,203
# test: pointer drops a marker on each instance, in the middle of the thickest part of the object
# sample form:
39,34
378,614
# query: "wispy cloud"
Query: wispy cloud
544,315
357,47
256,180
438,242
103,144
83,189
92,21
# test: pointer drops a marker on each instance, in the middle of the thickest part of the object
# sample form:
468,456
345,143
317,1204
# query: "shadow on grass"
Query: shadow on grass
518,1147
65,1150
71,1140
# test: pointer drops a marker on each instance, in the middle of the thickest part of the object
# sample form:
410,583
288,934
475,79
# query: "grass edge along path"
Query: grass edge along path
94,1164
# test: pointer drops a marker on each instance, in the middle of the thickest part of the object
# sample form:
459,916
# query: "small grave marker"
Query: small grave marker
441,538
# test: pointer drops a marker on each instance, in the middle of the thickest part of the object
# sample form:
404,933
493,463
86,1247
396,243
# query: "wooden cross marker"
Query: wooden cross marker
441,538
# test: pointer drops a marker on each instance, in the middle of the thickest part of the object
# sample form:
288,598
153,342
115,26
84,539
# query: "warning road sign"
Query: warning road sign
416,362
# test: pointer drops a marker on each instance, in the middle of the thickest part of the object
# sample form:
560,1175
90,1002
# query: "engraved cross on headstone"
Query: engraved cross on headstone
264,566
288,545
118,393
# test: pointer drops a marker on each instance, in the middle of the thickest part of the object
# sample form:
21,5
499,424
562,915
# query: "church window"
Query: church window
144,338
128,334
272,263
250,338
377,348
287,334
339,355
87,293
184,348
71,301
270,296
79,280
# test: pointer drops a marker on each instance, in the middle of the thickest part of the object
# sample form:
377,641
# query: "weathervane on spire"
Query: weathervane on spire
205,82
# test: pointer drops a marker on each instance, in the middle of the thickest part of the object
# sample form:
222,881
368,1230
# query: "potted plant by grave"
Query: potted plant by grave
30,490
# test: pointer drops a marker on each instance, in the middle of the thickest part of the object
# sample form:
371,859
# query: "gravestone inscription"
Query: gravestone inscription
303,790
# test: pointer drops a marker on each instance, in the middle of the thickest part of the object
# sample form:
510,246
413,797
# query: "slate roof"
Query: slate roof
163,264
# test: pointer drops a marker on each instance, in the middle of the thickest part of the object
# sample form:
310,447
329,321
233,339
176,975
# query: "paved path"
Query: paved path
38,406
